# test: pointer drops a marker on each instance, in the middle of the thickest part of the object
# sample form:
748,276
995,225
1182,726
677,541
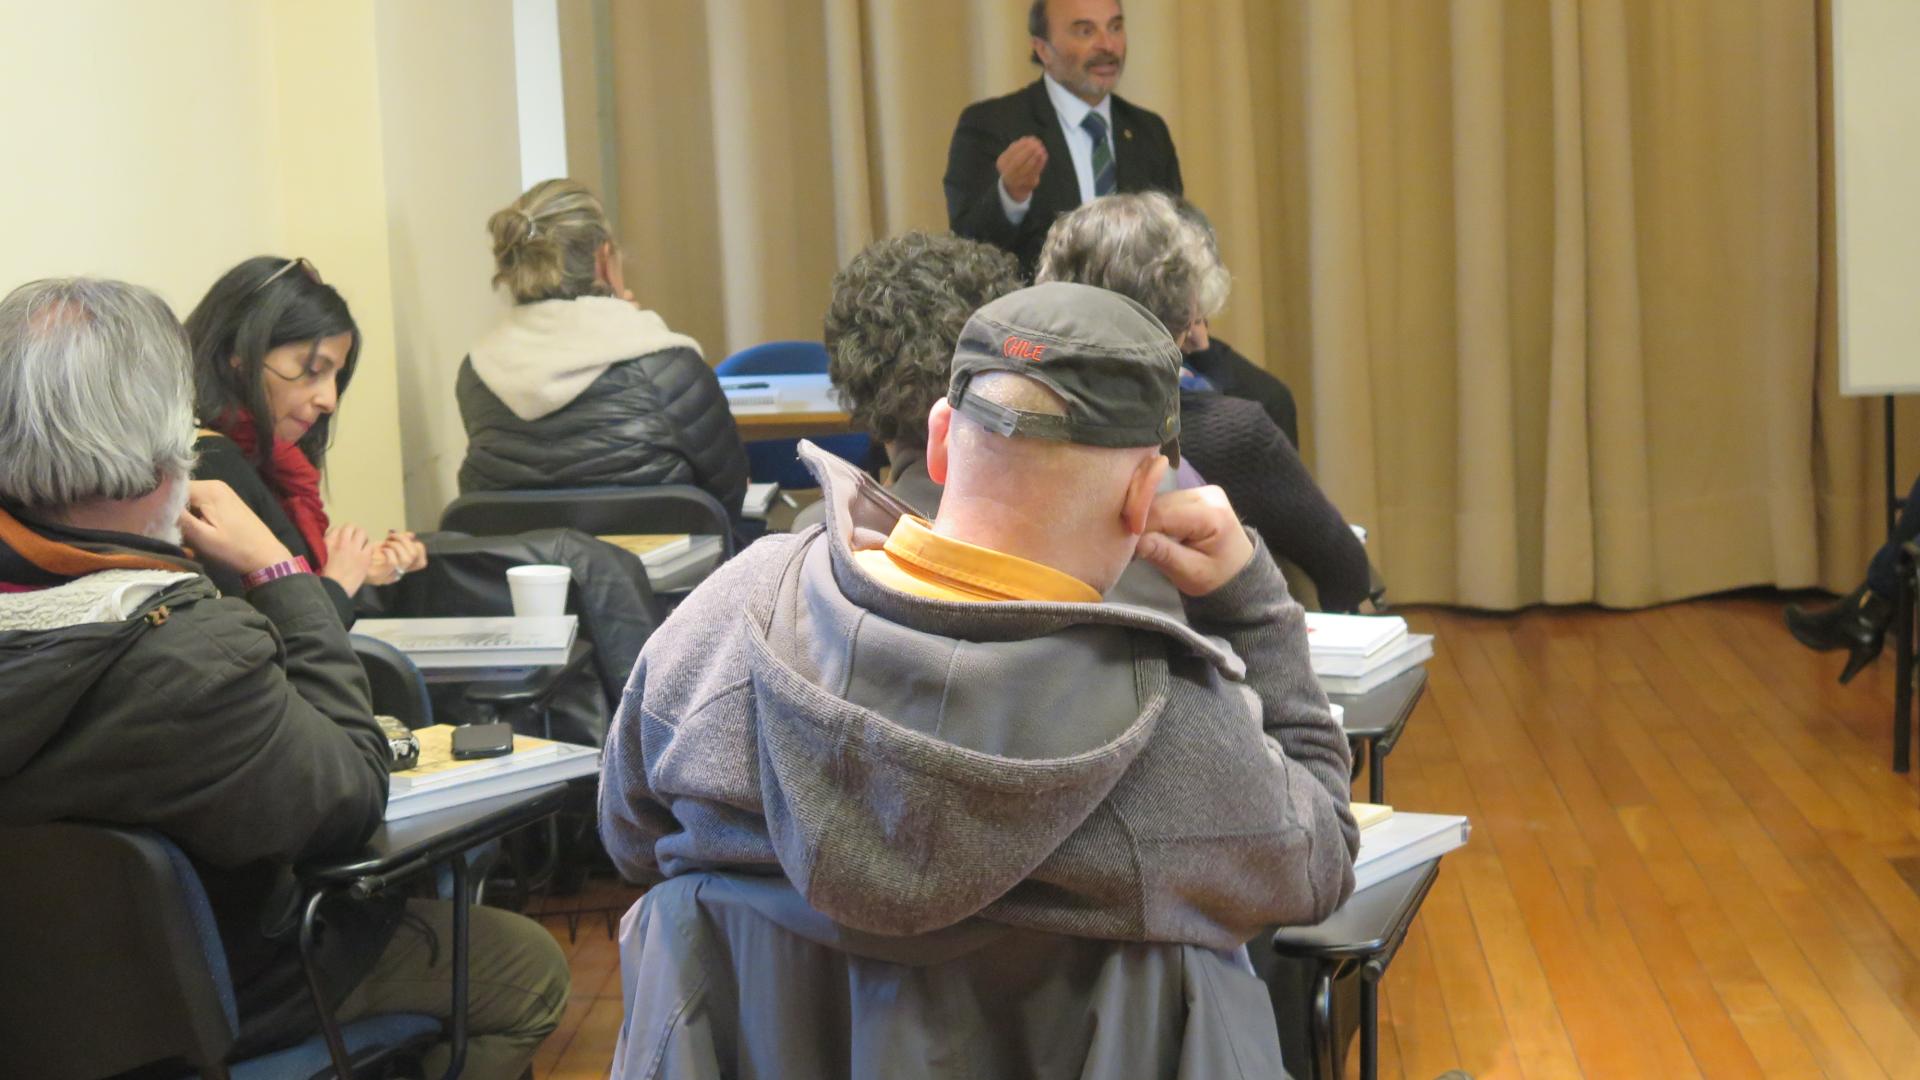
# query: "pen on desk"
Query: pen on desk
750,386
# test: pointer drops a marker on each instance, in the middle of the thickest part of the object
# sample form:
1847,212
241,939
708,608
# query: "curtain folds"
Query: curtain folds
1552,278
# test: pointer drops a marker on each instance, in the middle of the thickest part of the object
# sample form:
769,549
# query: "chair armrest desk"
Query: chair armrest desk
1365,934
1375,721
397,851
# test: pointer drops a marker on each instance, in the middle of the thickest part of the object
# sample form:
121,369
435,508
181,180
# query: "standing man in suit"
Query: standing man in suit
1019,161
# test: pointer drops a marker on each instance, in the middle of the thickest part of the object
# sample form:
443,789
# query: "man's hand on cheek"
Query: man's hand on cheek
1195,539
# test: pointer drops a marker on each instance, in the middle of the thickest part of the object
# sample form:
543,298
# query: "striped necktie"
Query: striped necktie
1103,170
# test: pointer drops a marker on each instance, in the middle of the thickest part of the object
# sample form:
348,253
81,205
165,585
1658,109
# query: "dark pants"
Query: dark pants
1880,572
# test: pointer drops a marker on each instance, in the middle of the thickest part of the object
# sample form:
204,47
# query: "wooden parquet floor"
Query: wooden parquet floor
1690,858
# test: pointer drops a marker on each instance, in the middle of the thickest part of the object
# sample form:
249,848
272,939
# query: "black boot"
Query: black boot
1857,623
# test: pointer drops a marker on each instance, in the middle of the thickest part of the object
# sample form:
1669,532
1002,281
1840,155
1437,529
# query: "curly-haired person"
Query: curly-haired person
890,331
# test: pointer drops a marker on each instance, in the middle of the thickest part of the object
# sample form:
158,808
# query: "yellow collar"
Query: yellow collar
920,561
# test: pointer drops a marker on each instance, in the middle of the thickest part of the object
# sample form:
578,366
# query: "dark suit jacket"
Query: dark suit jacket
1144,160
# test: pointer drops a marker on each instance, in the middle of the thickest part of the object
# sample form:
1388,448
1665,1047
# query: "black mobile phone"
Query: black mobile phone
482,740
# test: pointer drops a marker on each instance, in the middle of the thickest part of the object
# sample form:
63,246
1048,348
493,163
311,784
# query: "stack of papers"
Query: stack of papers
749,395
441,781
1353,654
1391,842
759,500
491,642
673,561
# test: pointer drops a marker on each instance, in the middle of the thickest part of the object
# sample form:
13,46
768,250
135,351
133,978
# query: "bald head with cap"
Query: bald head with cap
1050,439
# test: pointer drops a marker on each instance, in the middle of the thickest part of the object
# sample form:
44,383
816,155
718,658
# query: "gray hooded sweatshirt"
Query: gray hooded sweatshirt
1096,770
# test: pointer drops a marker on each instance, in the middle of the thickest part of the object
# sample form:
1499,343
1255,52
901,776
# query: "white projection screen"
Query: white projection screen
1876,106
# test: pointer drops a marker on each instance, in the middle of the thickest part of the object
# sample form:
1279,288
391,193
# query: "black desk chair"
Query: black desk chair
605,511
399,690
113,963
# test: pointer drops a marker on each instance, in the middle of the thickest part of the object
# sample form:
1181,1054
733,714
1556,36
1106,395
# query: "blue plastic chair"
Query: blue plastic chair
778,460
114,962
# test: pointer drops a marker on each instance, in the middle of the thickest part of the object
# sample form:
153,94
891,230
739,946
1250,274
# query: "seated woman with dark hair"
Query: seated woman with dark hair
577,386
274,349
1141,247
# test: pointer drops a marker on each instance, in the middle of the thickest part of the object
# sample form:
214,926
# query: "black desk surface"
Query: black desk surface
1381,712
1367,922
439,835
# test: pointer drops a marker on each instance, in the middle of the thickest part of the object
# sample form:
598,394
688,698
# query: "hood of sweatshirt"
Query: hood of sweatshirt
919,757
541,356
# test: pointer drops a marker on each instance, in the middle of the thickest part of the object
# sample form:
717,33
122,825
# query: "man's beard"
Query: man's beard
1089,82
165,525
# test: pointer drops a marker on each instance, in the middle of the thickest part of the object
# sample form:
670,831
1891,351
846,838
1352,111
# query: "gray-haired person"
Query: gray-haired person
239,727
981,819
1142,247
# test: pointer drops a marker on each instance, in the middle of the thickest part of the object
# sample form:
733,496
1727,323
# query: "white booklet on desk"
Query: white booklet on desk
1352,635
1403,841
441,781
490,642
1339,678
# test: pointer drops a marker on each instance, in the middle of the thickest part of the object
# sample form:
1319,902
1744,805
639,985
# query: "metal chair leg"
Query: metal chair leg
1903,645
1324,1036
329,1027
458,1032
1369,1027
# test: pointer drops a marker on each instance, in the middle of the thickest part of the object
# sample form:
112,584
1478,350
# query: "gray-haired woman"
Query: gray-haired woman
1141,246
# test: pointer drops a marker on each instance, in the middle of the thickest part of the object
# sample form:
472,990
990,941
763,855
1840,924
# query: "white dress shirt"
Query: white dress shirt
1072,111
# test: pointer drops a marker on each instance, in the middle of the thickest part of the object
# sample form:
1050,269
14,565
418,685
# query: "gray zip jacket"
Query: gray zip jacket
1096,770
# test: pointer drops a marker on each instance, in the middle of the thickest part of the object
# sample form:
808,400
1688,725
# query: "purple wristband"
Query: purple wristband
295,565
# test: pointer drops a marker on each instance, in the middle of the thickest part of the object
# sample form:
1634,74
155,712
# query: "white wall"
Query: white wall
448,108
164,181
163,143
538,86
1877,167
333,204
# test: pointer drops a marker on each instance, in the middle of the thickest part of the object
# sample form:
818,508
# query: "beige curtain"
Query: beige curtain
1551,278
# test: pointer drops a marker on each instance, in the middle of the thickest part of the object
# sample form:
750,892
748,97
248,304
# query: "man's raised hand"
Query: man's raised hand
1020,165
1195,538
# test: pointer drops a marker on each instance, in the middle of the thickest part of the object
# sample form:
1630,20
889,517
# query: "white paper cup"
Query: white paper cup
539,590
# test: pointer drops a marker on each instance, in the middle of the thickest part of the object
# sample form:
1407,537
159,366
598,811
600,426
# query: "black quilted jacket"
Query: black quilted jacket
656,419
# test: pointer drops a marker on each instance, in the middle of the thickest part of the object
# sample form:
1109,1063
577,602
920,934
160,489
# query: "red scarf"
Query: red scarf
295,483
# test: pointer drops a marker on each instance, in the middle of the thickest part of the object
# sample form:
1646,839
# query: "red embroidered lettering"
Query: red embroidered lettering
1021,348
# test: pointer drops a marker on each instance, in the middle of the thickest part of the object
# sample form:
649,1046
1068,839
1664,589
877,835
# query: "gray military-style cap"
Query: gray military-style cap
1112,362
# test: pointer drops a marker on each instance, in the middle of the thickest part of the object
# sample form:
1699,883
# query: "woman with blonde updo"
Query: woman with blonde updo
578,386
